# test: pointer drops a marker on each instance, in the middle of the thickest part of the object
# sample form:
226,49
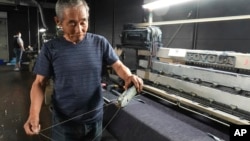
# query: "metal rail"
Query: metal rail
204,111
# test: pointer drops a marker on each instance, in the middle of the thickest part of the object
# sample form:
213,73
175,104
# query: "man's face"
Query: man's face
74,23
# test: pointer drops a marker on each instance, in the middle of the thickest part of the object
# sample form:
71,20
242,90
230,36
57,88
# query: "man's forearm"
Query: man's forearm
122,71
36,97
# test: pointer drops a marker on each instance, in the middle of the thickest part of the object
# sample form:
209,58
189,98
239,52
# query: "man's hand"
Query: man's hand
123,72
137,81
32,126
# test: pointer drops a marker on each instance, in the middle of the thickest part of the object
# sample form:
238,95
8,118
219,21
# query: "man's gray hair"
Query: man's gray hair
62,4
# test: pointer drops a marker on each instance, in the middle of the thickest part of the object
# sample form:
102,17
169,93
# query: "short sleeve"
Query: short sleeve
43,63
109,56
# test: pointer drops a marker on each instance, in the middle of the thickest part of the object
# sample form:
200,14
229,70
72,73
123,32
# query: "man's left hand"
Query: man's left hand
136,81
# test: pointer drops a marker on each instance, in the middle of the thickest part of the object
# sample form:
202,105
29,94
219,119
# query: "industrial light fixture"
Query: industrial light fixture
162,3
42,30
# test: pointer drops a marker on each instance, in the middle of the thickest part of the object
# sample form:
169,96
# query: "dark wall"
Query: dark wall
25,20
226,35
177,35
49,15
108,17
220,35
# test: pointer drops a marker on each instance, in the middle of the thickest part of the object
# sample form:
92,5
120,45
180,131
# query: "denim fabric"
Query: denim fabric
18,53
72,131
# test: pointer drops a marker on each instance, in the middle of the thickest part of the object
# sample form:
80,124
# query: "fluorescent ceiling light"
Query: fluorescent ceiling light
42,30
162,3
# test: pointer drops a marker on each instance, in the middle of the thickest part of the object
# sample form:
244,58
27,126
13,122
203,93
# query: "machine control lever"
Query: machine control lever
126,96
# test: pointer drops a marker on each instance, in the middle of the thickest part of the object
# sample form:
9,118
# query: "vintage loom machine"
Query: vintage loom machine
179,84
214,84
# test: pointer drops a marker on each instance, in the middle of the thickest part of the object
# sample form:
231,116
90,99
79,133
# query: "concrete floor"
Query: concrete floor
15,101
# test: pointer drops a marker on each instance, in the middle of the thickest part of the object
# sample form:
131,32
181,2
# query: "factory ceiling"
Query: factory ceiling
43,3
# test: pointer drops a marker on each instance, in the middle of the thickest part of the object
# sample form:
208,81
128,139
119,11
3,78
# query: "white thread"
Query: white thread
117,111
46,136
73,118
77,117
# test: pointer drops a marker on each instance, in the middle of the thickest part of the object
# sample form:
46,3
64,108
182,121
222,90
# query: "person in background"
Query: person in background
74,62
18,50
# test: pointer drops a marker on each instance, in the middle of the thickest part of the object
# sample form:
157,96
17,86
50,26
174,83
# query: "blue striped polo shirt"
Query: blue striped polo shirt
76,71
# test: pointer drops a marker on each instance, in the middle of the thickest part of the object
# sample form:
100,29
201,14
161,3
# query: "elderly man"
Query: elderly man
74,62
